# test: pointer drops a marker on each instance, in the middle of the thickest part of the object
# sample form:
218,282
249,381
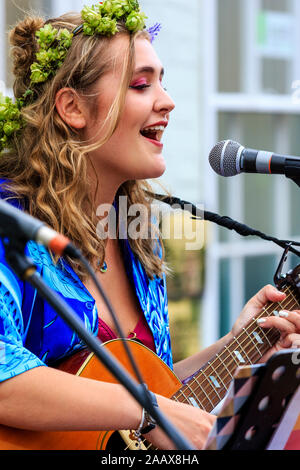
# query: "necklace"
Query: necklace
102,268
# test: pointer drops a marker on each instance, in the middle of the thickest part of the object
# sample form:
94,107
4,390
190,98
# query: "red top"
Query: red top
141,332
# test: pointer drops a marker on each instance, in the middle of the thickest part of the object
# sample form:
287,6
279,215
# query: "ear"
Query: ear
70,108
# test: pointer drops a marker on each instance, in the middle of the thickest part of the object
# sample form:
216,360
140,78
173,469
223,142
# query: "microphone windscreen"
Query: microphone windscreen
223,158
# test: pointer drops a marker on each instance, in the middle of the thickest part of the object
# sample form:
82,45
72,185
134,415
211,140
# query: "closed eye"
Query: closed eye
139,87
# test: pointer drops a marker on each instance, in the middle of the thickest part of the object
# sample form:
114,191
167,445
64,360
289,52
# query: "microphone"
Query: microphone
17,224
229,158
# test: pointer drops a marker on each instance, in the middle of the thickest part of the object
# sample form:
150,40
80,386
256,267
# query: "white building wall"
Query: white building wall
178,46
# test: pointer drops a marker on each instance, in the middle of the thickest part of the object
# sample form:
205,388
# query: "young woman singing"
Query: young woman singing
87,129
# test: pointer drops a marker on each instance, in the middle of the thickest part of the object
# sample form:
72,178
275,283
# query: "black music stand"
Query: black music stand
251,425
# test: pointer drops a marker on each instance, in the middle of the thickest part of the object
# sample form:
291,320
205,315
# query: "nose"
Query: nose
164,103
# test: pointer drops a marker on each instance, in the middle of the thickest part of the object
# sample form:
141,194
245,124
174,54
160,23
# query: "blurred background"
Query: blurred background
233,70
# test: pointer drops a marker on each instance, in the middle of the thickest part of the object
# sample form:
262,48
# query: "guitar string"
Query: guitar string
149,445
257,356
205,381
250,331
233,362
240,344
207,397
211,396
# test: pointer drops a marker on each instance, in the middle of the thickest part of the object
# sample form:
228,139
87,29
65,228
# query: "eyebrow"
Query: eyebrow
149,69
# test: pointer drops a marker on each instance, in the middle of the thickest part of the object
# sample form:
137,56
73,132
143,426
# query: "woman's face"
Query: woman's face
135,150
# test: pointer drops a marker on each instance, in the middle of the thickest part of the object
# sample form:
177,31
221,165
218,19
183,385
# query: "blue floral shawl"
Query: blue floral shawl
33,335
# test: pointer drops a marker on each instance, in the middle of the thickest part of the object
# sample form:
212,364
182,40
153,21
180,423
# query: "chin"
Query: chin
152,167
159,167
155,172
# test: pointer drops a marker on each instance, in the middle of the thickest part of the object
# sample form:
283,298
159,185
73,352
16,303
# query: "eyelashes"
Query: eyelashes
139,87
143,86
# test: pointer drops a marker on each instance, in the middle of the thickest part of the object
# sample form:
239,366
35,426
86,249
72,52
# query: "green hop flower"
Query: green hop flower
10,121
2,113
88,30
121,8
106,8
134,4
46,36
136,21
13,113
91,17
65,38
38,75
44,57
107,26
10,127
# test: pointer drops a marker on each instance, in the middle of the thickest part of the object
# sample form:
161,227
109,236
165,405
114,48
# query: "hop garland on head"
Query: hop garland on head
54,45
10,120
103,18
53,48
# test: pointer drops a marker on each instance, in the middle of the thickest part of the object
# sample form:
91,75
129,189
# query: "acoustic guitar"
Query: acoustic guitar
205,389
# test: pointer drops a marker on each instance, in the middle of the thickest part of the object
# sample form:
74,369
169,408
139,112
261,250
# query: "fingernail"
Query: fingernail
279,292
261,320
283,314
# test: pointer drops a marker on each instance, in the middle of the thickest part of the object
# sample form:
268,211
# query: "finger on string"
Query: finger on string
268,293
291,341
282,324
292,317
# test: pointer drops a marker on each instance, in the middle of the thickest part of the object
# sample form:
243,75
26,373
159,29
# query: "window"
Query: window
253,62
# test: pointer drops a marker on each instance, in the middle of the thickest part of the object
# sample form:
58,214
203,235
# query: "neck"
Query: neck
104,184
103,191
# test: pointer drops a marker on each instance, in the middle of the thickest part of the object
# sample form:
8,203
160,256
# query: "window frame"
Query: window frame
236,250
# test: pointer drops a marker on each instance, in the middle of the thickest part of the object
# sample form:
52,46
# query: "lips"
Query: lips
154,132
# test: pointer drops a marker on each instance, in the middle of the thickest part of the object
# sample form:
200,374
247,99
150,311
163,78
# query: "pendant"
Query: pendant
103,269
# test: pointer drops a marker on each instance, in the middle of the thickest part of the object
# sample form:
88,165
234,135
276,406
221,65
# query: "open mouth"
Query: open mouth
153,133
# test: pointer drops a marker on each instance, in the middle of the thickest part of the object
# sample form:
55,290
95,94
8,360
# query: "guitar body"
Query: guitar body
156,374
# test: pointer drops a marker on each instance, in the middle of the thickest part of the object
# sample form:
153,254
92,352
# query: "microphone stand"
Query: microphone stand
25,269
226,222
292,171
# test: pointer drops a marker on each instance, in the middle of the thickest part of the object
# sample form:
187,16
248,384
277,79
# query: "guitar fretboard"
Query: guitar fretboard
209,385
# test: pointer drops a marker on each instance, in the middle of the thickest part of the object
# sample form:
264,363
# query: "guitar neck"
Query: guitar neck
209,385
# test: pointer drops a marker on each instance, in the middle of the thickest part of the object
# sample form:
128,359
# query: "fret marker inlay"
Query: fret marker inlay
257,337
239,356
193,402
214,381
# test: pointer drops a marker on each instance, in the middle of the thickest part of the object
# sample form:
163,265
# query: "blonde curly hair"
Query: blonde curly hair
48,165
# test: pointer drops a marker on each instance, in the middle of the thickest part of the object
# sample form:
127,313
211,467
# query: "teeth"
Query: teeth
154,128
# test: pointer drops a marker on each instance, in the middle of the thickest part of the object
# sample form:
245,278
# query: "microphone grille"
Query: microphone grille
223,158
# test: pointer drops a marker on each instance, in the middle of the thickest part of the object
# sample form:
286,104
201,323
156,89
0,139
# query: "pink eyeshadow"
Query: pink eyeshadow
140,81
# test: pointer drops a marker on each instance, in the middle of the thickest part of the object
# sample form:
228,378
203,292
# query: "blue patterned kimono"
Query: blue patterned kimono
33,335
